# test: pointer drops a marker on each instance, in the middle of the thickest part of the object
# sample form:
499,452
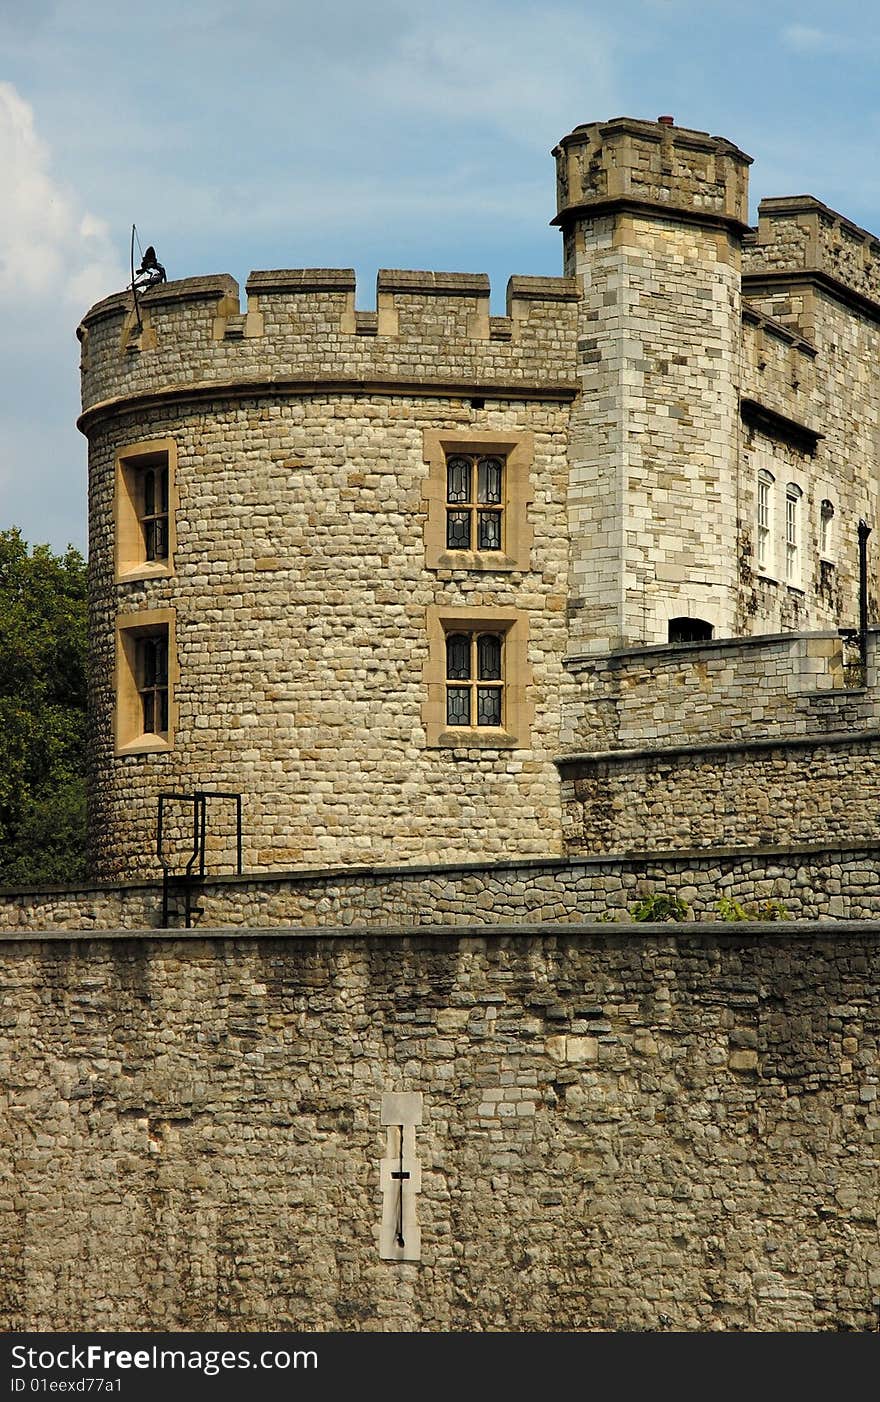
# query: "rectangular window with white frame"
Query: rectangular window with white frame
793,500
764,541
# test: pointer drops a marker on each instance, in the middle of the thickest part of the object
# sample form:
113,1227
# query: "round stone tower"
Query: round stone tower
328,555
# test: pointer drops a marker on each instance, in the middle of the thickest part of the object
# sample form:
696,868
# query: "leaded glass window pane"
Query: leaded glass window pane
458,530
153,670
154,517
458,705
489,480
489,530
458,656
488,705
489,657
458,479
155,662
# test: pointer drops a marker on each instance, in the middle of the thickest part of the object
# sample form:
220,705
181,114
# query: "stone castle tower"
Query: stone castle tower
425,584
502,628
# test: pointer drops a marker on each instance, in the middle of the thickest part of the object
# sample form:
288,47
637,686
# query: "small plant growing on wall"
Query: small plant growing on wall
660,905
729,909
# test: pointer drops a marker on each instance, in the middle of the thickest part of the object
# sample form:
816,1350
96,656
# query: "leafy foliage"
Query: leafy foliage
660,905
43,635
729,909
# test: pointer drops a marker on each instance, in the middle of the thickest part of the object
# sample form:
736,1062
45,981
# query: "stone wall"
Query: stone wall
300,593
814,274
809,881
826,791
780,685
301,328
623,1130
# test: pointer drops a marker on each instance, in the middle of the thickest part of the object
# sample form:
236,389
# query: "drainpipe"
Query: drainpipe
864,532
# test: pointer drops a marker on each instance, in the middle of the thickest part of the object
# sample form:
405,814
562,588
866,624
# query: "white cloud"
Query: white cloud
503,67
49,248
806,39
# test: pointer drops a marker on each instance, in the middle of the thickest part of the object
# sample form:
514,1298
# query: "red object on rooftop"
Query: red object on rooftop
666,121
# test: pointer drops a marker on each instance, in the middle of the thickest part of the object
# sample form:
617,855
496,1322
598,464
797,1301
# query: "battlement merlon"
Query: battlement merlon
288,287
431,331
651,168
798,234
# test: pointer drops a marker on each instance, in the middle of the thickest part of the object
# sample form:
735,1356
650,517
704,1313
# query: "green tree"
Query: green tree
43,634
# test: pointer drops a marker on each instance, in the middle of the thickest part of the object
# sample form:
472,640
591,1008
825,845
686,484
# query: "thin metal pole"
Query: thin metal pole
864,532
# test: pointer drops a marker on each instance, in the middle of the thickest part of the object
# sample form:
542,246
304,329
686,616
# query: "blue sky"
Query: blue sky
397,134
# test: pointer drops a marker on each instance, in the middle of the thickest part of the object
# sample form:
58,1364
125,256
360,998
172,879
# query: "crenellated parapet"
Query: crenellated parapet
654,167
301,328
800,238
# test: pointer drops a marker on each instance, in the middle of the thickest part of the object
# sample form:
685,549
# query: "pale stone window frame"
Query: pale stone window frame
517,711
827,519
794,499
129,735
517,449
130,553
765,523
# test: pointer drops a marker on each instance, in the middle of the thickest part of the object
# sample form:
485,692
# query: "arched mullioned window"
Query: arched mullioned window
689,630
764,538
793,499
826,528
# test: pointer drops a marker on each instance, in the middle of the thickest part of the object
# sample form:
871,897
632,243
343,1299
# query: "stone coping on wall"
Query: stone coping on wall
429,934
661,652
631,856
814,739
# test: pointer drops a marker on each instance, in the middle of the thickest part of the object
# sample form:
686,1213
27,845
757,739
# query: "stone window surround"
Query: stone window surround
517,710
130,560
517,448
827,527
129,735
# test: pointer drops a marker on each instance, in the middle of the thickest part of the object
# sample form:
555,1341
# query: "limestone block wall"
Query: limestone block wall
654,243
622,1130
733,689
817,274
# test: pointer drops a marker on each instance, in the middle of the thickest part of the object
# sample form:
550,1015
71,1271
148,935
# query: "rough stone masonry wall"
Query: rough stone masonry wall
808,881
734,795
301,595
738,742
300,587
302,326
662,1129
